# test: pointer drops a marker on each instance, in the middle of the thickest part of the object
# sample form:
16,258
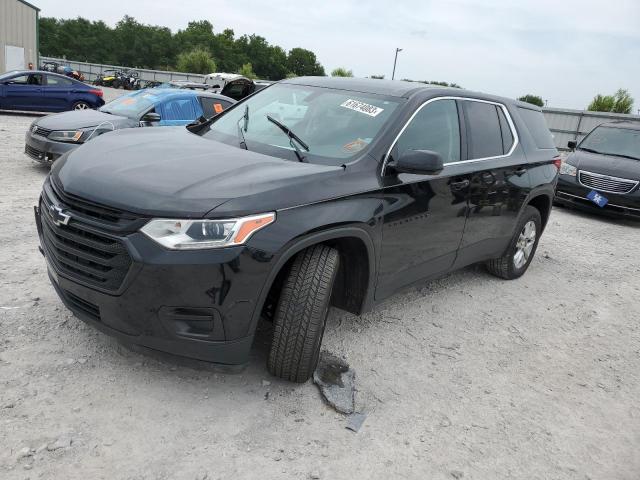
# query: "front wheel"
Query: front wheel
522,248
302,313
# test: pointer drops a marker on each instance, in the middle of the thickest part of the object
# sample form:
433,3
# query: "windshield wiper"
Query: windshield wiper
243,128
292,136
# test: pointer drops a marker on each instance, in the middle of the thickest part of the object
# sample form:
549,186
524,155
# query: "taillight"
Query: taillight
557,161
96,92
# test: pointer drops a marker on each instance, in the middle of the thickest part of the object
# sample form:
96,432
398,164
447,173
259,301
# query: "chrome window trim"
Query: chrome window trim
514,132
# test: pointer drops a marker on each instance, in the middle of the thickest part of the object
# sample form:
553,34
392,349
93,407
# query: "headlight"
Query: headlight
77,136
66,135
568,169
198,234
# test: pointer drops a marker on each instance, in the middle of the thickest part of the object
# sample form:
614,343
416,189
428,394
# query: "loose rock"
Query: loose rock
336,382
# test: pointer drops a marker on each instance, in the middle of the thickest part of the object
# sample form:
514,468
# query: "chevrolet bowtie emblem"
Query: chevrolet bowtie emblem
58,216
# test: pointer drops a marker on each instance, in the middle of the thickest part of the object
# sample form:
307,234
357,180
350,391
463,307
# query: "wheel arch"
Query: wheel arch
542,202
353,291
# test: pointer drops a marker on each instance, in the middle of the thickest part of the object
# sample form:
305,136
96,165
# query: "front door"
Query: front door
24,92
424,215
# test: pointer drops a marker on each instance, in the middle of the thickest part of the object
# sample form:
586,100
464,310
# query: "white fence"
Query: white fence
92,70
568,125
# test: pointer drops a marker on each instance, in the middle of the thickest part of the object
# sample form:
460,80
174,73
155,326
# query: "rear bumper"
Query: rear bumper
43,150
196,304
572,194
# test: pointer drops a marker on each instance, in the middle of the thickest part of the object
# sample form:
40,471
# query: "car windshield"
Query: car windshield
132,105
333,124
623,142
4,76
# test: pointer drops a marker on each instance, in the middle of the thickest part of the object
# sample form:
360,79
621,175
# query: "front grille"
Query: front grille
88,209
605,183
34,153
44,132
81,251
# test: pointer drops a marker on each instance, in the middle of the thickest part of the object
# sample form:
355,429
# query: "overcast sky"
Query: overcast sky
566,51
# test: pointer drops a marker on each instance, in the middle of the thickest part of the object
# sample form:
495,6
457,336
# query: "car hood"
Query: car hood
76,119
605,164
169,171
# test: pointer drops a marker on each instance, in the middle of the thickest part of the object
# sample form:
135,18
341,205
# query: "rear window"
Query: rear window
213,106
537,127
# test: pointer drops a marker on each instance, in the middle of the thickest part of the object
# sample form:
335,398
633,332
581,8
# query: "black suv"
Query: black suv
312,192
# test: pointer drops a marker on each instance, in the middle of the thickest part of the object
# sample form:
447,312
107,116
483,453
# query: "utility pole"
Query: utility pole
395,60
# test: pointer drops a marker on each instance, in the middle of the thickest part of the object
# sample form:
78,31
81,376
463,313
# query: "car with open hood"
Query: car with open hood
602,173
49,137
313,192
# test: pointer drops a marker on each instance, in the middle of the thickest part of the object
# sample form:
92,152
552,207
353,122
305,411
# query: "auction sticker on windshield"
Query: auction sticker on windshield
362,107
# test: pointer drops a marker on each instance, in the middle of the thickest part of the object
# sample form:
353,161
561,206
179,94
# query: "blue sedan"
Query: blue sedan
51,136
46,92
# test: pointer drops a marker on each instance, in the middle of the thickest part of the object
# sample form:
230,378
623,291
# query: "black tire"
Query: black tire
506,266
116,84
80,106
302,313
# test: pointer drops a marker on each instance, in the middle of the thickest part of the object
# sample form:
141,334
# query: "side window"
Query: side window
178,109
483,130
507,134
213,106
537,126
58,81
31,79
435,127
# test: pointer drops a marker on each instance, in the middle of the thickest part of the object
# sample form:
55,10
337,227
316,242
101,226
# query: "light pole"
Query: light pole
394,63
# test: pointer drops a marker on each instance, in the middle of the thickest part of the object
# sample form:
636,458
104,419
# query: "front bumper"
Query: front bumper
196,304
43,150
570,193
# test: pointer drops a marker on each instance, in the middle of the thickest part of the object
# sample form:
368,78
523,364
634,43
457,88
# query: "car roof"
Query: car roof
396,88
43,72
627,124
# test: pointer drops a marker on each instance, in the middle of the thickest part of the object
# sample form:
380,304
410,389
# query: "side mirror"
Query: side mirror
572,144
150,117
421,162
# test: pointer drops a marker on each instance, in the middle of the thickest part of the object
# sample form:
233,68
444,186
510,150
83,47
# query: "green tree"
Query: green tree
303,62
620,102
247,71
197,60
341,72
532,99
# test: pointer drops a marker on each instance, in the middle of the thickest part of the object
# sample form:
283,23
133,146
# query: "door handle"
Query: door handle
456,186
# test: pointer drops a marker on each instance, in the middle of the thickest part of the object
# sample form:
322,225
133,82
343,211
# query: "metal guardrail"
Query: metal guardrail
92,70
566,124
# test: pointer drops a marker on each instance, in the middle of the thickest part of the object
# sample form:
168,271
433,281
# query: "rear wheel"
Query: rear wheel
302,313
81,106
522,247
115,84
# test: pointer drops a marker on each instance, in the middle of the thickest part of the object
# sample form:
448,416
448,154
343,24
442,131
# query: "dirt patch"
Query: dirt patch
465,377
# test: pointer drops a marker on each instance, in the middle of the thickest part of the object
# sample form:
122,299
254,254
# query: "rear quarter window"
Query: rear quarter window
537,126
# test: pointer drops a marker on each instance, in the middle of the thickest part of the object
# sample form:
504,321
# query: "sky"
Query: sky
565,51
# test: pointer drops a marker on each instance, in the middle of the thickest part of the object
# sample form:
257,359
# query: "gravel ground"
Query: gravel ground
466,377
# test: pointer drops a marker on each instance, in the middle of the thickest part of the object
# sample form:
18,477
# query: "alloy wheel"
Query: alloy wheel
524,245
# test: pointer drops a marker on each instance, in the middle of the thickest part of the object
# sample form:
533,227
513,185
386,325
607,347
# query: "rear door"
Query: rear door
424,215
24,92
499,180
57,91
